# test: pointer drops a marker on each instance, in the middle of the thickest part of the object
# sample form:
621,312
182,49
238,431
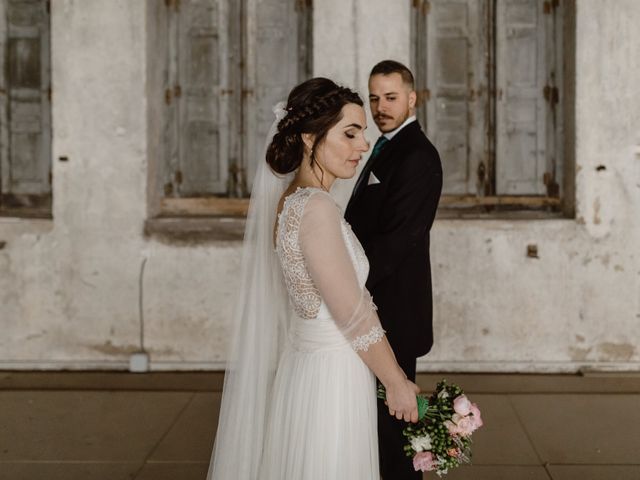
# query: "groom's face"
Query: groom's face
392,101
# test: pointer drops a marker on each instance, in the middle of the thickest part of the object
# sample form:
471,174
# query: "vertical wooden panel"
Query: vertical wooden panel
277,58
24,99
521,140
456,79
202,95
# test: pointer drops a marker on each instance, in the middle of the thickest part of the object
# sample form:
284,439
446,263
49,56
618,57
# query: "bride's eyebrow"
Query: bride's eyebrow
354,125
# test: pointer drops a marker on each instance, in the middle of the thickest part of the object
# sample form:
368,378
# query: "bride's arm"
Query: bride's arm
329,264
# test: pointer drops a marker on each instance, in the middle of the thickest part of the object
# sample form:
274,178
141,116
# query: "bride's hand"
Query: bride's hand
401,400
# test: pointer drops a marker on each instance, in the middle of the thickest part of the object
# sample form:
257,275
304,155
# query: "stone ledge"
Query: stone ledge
195,230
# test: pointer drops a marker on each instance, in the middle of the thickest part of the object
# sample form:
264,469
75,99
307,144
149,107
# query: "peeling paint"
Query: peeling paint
596,211
578,354
108,348
616,351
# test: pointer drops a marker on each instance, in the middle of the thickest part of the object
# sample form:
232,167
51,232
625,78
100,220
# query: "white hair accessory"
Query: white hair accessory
280,111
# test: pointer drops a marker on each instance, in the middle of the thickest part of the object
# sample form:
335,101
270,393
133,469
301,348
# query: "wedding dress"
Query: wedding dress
298,402
322,418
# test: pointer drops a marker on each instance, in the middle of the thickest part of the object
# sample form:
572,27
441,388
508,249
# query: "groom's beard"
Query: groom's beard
387,123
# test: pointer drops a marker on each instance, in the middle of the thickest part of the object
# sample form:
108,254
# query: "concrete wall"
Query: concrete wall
72,290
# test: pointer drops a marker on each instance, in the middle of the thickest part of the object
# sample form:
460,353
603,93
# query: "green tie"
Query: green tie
382,140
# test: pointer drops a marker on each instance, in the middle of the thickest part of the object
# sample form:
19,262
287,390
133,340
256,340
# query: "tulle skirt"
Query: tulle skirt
322,422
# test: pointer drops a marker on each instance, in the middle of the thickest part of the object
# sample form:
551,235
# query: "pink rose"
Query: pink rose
464,424
462,405
424,462
475,417
452,428
454,452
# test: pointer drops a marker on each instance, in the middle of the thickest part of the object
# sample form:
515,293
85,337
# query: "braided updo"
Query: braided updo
313,107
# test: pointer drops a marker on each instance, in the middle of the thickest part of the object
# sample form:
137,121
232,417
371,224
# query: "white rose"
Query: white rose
421,444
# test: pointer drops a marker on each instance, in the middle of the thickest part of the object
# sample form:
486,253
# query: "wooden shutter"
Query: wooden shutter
278,33
522,114
202,94
25,131
229,62
457,90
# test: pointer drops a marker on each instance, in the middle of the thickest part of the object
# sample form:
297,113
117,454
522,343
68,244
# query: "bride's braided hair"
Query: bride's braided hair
313,107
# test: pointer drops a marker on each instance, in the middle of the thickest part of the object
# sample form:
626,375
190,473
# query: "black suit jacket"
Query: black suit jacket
392,220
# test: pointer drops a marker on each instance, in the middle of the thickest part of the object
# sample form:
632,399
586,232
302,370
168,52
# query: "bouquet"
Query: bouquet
442,437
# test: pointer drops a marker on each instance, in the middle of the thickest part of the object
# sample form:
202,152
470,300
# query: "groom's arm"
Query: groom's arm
407,216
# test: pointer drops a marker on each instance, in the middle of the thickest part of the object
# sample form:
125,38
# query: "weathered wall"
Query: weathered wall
70,289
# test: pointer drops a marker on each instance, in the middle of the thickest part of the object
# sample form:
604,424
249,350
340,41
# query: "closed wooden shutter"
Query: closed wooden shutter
522,72
25,110
201,92
228,63
457,91
276,58
489,80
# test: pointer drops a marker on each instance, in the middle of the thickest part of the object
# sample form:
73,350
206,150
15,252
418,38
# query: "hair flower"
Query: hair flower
280,111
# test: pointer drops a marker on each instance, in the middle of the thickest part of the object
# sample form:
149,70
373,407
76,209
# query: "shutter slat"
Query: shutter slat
456,80
521,114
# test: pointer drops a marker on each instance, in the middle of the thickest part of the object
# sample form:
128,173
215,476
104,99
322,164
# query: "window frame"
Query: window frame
165,210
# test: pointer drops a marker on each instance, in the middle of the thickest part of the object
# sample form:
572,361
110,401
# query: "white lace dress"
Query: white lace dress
322,421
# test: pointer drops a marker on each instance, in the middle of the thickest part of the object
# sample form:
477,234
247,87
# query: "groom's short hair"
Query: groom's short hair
387,67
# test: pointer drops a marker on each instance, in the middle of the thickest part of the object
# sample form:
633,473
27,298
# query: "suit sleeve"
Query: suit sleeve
407,216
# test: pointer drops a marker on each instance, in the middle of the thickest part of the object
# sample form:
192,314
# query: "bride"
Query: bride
299,395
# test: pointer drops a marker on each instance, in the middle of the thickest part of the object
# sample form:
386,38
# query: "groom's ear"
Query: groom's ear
412,99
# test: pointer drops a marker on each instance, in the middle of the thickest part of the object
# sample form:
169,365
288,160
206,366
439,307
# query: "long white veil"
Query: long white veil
259,321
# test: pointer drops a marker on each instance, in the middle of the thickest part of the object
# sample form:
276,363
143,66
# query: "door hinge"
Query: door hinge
302,5
550,6
553,189
551,94
175,4
422,6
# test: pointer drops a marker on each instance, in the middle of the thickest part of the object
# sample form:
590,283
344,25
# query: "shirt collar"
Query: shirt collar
393,133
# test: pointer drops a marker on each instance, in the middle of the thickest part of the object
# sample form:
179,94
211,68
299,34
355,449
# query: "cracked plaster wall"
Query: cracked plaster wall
70,288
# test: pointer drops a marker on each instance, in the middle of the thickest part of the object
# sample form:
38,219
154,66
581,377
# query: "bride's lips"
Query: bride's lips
355,161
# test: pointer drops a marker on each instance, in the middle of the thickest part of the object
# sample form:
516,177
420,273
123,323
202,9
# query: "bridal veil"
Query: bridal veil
258,326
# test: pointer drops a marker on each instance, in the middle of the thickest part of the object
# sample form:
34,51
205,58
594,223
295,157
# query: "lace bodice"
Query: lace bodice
325,267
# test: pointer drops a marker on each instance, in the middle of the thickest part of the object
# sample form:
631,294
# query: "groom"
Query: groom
391,212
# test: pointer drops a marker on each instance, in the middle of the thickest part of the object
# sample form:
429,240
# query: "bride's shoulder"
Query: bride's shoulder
309,197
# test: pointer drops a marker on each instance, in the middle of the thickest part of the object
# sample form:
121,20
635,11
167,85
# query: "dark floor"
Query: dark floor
111,426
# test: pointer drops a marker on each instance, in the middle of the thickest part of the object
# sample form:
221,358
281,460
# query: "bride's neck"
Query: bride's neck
312,175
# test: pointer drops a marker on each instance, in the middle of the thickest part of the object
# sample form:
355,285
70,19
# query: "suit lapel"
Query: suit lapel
386,152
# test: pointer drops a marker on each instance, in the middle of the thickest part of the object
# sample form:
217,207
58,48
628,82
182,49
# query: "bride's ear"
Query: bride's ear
308,140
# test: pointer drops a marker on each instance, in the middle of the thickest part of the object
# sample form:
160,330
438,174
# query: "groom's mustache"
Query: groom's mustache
382,115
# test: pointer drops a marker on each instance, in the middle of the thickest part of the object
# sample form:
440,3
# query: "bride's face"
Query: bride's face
342,148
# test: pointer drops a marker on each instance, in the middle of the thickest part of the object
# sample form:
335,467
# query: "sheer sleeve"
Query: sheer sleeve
331,268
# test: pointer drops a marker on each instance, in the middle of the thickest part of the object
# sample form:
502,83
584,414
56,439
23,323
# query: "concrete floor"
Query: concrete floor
112,426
